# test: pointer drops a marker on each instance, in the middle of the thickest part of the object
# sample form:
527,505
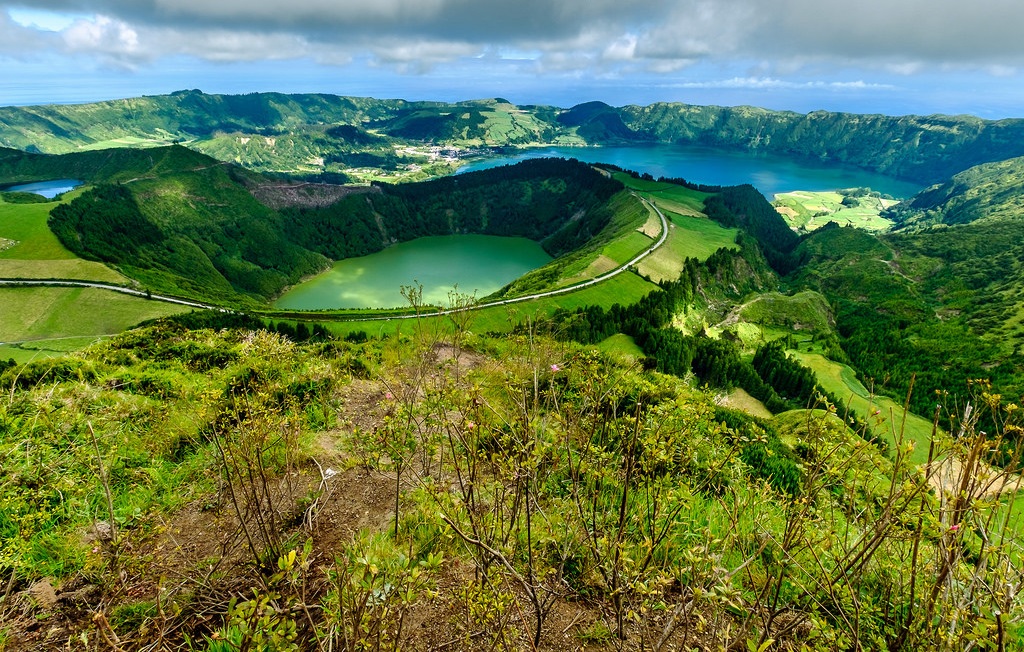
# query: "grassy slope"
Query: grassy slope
42,313
691,233
841,380
989,192
37,252
150,400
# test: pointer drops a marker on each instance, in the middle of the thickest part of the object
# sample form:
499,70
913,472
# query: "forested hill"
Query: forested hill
992,192
317,133
199,230
113,165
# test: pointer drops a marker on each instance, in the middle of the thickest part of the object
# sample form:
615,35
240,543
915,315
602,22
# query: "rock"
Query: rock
103,531
43,593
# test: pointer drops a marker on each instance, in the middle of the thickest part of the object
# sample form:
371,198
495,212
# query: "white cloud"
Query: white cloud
596,36
767,83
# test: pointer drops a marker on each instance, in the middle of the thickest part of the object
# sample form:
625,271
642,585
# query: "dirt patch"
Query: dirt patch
464,359
193,563
305,195
739,399
651,228
946,476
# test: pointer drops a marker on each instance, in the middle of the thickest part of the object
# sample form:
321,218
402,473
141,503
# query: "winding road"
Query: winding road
112,288
478,306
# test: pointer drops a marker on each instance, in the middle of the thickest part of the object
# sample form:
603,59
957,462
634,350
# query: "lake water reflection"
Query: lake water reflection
478,264
770,174
48,189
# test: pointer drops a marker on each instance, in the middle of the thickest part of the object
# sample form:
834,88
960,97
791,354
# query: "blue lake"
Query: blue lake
771,174
48,189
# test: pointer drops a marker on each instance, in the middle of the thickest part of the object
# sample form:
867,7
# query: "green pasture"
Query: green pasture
75,269
668,196
129,141
26,225
621,346
688,237
36,252
42,349
739,399
48,313
841,380
630,245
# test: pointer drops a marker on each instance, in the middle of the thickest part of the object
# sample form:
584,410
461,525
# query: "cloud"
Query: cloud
20,42
659,36
768,83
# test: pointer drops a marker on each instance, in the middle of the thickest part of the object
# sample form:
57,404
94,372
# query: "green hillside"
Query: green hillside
991,192
217,486
369,138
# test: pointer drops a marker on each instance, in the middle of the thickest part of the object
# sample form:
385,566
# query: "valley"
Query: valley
681,400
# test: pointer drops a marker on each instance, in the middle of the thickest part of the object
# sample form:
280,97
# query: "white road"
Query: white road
112,288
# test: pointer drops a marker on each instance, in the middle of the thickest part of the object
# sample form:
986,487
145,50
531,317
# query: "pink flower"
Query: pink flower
389,396
555,368
470,425
954,528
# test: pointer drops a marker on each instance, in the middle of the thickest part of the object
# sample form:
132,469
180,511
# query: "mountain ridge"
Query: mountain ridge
291,132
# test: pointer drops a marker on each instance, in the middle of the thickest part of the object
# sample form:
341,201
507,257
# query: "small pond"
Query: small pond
48,189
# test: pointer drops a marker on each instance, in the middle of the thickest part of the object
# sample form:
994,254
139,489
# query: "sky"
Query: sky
867,56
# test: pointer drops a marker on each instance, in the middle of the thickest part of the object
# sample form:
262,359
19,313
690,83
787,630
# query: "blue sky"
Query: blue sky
872,56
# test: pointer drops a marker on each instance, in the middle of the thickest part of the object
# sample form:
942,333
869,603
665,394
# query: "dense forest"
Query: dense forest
555,202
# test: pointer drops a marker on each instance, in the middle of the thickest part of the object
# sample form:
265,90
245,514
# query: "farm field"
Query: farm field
806,210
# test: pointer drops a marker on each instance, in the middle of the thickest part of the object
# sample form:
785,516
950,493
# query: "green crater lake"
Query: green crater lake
477,264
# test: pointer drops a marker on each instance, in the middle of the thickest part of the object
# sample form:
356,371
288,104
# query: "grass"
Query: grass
806,310
36,252
26,225
45,313
668,196
627,247
621,346
128,141
74,269
841,380
43,349
691,233
739,399
805,210
688,237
